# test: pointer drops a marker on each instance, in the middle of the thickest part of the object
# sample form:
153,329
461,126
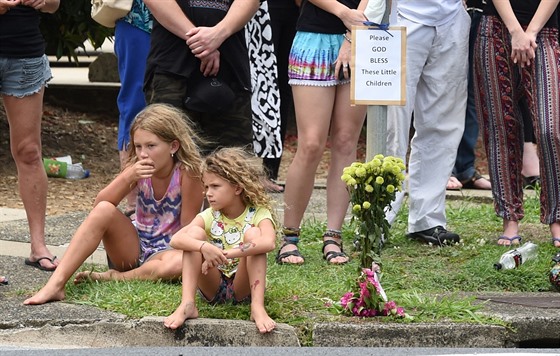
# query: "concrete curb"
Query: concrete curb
148,331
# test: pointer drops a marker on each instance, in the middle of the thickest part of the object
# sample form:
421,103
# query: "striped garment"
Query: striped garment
499,86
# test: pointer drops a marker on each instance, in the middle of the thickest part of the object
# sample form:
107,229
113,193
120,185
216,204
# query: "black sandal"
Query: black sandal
471,183
331,235
291,237
531,182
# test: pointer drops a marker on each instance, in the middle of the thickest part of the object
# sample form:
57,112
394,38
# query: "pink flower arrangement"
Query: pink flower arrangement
370,299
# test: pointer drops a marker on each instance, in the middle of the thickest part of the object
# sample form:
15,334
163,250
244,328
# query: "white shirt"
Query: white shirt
429,12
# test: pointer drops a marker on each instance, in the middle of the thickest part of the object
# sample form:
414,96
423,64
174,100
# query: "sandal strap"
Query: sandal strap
290,231
476,176
332,242
332,233
334,254
290,235
281,256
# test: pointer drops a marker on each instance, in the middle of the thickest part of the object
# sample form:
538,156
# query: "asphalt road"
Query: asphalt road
272,351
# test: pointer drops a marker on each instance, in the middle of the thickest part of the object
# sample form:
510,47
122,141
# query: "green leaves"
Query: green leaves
69,27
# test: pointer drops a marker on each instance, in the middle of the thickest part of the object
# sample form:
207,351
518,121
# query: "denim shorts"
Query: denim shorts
22,77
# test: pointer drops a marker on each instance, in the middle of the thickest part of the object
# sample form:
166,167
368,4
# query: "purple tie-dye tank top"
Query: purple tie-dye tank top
158,220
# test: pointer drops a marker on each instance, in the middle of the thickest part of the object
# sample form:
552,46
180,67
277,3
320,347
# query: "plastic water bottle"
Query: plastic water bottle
76,171
515,258
62,169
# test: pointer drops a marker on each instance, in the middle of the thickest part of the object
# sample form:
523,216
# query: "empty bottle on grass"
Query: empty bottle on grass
515,258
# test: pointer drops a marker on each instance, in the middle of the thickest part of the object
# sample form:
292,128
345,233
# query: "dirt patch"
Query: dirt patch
91,138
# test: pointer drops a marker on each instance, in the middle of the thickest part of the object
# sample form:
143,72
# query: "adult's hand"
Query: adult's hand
204,40
210,65
6,5
523,48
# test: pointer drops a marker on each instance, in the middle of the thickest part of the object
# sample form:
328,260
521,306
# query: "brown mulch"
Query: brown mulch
91,139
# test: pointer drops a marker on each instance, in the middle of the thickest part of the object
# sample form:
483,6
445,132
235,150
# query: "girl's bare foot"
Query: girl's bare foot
95,276
264,323
45,295
182,313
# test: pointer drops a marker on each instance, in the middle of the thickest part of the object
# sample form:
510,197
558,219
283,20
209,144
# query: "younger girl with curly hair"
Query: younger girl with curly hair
225,246
164,165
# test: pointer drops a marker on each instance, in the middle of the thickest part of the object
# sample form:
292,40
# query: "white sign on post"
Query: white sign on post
378,66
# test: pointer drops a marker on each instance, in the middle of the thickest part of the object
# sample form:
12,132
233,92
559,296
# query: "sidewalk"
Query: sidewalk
535,317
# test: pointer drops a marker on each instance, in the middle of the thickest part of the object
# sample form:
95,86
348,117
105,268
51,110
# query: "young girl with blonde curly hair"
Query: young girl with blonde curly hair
164,165
225,246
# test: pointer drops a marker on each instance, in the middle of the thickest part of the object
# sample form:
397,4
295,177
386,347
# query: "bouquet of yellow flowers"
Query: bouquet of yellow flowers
373,186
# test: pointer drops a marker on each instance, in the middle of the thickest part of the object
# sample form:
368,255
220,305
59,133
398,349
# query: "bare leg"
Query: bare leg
192,262
24,116
555,231
104,221
530,160
162,266
250,279
346,126
256,268
511,229
313,112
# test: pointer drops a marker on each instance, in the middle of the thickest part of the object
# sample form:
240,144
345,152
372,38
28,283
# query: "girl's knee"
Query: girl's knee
104,209
252,234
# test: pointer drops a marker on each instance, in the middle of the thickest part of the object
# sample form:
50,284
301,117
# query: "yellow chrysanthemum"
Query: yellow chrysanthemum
361,172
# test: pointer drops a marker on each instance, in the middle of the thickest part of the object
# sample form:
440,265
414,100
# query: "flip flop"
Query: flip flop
510,239
555,240
38,265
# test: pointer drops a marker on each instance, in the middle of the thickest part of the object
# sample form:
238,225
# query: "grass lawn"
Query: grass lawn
428,281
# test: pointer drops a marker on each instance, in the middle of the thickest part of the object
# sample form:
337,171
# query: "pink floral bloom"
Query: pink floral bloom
368,272
346,298
400,312
364,290
390,305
